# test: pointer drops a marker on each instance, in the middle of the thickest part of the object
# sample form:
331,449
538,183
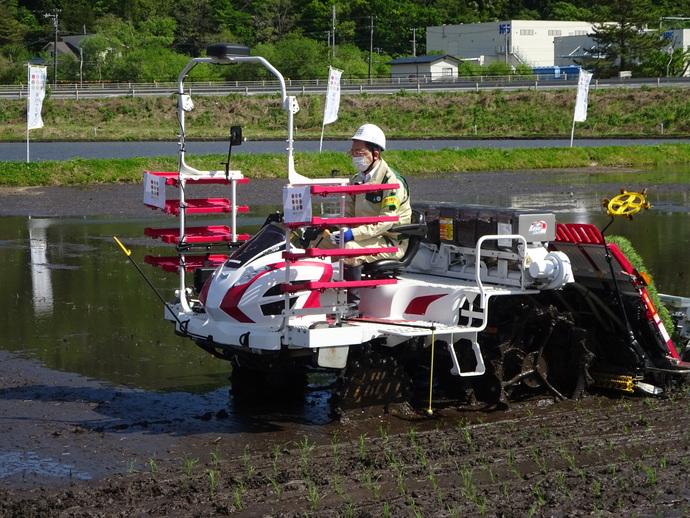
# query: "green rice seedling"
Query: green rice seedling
276,485
536,455
466,475
335,445
188,465
153,467
372,484
362,447
247,461
386,510
492,476
314,496
305,449
539,492
568,457
560,479
651,475
275,457
238,492
432,479
213,480
467,436
415,510
511,458
384,432
132,466
401,482
597,487
481,505
215,459
412,434
663,463
337,485
350,508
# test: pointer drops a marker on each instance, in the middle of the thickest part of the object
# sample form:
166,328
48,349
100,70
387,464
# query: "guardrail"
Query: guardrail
318,86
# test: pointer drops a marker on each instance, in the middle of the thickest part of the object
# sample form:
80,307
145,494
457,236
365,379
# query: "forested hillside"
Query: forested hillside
151,40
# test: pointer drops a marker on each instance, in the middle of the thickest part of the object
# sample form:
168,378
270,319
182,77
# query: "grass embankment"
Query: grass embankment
495,114
89,171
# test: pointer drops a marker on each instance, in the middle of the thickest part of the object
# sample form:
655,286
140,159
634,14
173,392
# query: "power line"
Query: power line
56,23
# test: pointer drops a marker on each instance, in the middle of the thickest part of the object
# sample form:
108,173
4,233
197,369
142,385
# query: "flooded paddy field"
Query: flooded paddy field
104,412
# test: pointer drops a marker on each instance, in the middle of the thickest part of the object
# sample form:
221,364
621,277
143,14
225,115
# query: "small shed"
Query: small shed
425,67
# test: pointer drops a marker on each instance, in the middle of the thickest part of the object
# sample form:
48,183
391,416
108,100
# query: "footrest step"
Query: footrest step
209,234
338,252
324,285
201,206
172,263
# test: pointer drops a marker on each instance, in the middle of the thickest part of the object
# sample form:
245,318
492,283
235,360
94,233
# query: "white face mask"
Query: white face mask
360,163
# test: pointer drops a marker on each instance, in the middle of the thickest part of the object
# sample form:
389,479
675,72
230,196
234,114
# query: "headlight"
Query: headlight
250,273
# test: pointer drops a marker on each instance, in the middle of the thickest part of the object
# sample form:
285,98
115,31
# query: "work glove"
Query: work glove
345,234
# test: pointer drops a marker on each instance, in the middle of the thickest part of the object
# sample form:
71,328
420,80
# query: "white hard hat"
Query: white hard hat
371,133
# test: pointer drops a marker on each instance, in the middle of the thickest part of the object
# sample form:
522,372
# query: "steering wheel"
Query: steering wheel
627,203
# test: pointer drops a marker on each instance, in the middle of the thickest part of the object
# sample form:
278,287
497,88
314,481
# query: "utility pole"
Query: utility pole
414,42
333,28
371,45
54,16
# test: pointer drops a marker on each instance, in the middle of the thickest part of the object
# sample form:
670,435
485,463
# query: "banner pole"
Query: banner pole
323,127
28,84
572,133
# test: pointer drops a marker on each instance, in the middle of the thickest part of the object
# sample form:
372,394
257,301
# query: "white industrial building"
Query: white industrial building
535,43
530,42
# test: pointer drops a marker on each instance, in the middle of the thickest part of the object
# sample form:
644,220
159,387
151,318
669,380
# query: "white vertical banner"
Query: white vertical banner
582,93
581,101
330,112
37,92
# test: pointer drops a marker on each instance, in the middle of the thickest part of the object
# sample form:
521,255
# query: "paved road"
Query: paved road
107,90
41,151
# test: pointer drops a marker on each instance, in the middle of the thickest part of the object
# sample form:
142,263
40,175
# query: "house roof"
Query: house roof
422,59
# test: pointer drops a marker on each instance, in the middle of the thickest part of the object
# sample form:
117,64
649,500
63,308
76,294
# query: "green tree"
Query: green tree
196,27
625,43
666,64
499,68
273,19
236,23
565,11
12,32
